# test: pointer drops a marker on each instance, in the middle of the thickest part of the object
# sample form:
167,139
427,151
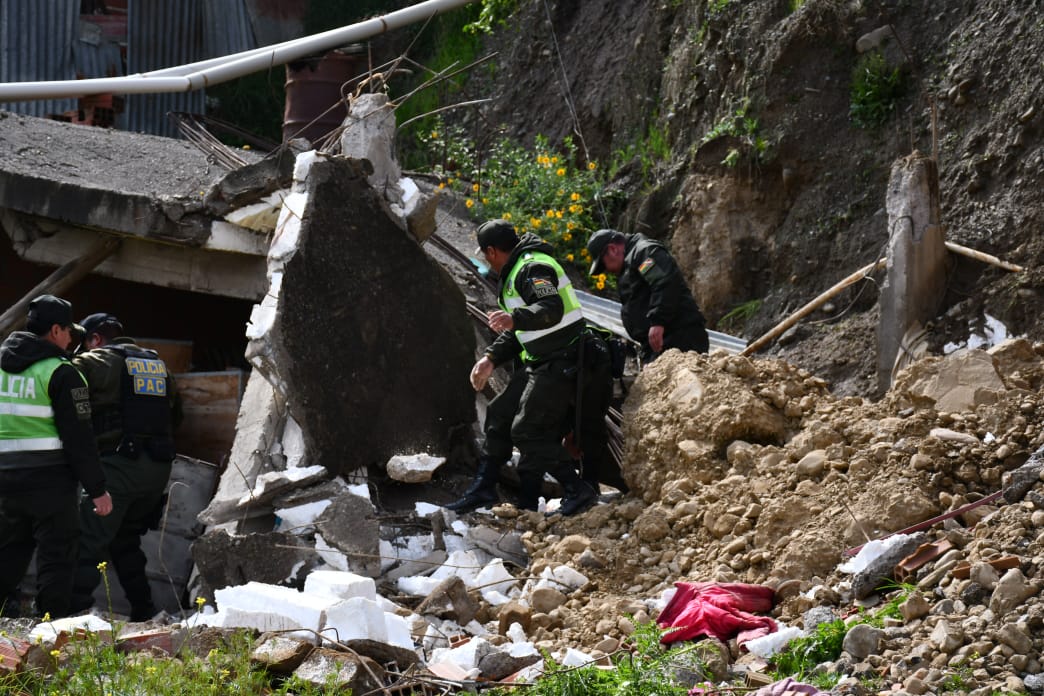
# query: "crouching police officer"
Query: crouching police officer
135,410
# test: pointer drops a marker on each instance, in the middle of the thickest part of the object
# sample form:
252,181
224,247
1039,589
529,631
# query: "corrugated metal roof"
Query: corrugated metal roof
161,34
606,313
36,38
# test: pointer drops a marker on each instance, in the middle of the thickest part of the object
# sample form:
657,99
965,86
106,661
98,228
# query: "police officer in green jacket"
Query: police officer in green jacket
46,451
135,409
540,324
656,305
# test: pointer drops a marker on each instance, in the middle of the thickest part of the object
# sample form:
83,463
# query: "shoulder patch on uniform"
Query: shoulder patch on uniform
80,394
646,266
543,287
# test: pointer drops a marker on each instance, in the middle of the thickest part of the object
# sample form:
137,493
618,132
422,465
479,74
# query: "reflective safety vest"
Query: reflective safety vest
26,415
539,343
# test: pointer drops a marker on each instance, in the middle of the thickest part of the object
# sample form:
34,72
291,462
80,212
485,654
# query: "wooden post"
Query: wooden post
63,278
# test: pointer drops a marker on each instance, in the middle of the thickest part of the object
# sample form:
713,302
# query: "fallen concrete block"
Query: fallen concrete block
225,560
279,653
499,664
384,653
349,526
413,468
449,600
338,670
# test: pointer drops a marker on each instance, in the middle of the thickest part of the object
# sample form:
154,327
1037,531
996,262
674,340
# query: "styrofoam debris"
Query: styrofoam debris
575,658
767,646
337,584
333,557
870,551
48,631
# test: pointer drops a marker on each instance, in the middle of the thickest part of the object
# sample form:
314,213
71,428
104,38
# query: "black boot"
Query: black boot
579,495
530,485
483,490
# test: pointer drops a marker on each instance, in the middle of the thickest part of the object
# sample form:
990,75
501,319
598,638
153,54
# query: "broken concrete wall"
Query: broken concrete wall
916,274
368,337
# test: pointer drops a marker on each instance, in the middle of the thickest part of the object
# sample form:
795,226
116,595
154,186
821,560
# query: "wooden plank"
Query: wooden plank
210,402
176,354
58,282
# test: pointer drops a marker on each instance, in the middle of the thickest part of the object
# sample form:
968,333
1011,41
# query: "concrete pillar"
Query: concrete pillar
915,280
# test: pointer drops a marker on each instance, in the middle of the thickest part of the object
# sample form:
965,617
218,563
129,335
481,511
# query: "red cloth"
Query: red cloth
717,609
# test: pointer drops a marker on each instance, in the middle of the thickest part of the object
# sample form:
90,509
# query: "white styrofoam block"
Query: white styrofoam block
285,606
333,557
454,543
300,519
516,633
466,656
387,553
562,578
417,585
522,649
411,548
398,628
460,527
47,632
293,444
360,489
303,163
425,509
339,584
494,577
355,618
494,598
463,564
575,658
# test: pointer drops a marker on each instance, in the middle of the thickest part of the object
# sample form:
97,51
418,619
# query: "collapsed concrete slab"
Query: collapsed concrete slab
224,560
349,526
364,334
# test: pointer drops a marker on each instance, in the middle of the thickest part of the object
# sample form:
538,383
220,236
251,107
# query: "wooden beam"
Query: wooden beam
797,316
63,278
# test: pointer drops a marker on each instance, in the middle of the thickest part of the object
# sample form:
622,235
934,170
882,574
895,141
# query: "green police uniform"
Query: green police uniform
46,449
134,401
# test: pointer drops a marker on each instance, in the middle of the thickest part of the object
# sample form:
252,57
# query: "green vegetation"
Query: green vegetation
647,670
802,655
544,190
753,147
716,7
740,313
876,87
492,14
794,5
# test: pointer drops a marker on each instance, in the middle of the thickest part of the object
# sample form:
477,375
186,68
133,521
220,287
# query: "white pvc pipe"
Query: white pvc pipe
185,78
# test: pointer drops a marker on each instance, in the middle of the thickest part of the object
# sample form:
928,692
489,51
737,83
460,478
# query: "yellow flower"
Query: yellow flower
600,285
151,669
566,237
507,216
449,182
554,226
574,196
434,134
46,617
102,566
591,166
585,252
224,673
554,160
56,653
469,203
535,222
558,214
246,147
485,201
550,213
442,184
601,277
200,601
561,192
474,187
570,225
569,257
560,171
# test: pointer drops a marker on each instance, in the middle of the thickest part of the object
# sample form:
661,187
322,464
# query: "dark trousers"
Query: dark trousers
597,465
44,521
533,413
691,337
136,487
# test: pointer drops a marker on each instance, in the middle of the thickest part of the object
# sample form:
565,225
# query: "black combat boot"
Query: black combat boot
530,485
483,490
579,495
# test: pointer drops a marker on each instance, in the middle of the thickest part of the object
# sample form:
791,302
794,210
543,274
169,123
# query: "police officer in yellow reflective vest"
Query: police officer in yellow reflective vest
46,450
540,322
135,406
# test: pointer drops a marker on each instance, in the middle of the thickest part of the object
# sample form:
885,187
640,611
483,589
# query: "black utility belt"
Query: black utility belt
159,449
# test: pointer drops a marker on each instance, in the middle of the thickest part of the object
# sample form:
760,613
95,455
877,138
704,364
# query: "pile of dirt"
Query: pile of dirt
752,471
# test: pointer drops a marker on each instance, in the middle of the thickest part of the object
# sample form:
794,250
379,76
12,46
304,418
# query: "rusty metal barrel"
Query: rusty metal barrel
313,86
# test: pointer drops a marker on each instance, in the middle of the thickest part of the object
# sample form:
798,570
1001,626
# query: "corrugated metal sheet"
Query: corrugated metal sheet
161,34
606,313
227,28
36,38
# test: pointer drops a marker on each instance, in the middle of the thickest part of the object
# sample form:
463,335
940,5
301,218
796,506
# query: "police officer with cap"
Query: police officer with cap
135,409
46,451
656,305
540,325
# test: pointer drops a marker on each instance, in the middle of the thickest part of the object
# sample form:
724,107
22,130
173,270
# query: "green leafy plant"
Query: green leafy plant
801,655
744,127
716,7
545,190
492,14
876,87
740,313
